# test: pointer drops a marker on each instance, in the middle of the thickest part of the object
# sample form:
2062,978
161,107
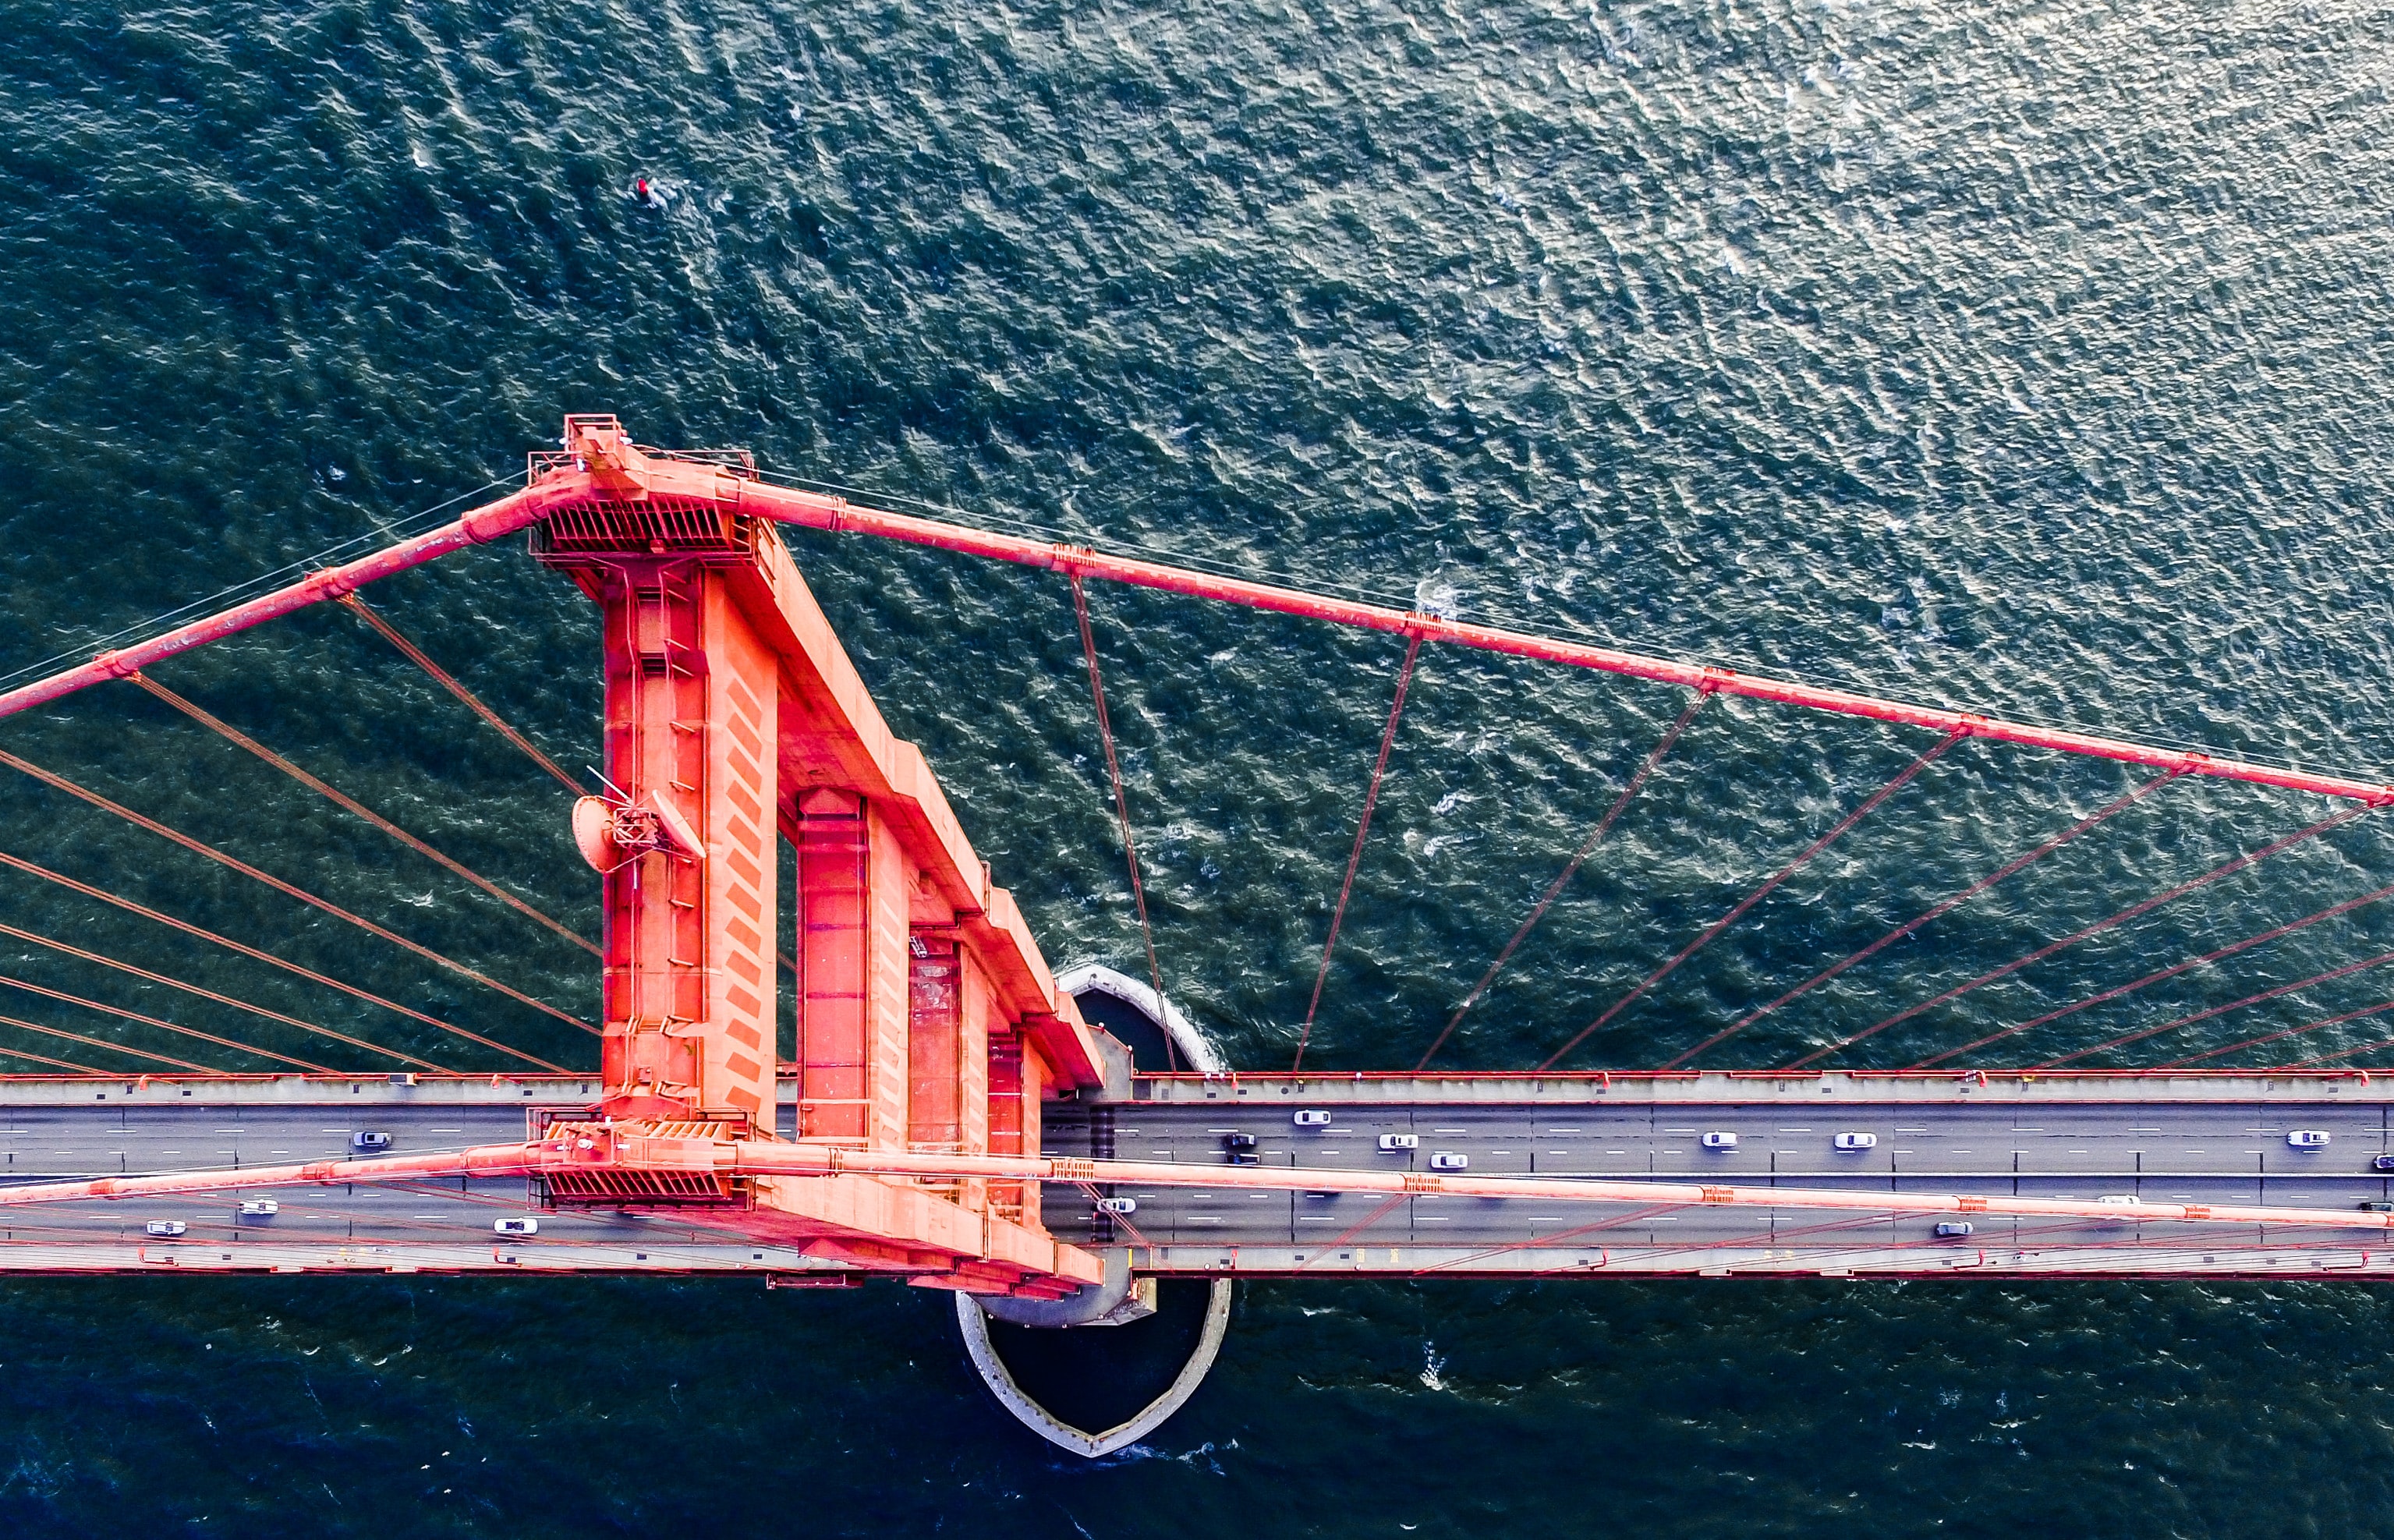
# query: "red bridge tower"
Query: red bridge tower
926,1020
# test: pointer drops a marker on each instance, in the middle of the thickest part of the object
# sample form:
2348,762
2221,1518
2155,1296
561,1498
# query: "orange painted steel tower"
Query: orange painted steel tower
926,1020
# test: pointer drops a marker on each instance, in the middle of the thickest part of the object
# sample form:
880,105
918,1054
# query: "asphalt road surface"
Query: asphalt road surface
445,1224
2160,1152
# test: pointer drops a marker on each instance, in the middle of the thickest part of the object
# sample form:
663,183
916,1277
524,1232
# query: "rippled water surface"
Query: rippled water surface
2031,358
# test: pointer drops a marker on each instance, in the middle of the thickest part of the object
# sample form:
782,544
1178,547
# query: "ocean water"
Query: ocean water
2033,357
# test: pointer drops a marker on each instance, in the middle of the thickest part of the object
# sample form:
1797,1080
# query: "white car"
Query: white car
1312,1117
2121,1200
1447,1160
1856,1141
1391,1143
1117,1205
260,1208
169,1229
1954,1229
526,1225
2307,1139
1719,1142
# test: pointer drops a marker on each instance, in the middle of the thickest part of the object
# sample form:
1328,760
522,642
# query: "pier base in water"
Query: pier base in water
1099,1370
1045,1374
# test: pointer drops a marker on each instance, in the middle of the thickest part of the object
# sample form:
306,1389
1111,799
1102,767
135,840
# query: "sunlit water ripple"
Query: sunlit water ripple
2035,359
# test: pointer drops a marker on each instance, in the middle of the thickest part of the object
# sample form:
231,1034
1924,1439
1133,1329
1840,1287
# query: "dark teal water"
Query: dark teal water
2036,358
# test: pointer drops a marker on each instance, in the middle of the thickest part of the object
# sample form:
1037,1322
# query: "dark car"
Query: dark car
367,1140
2376,1205
1241,1148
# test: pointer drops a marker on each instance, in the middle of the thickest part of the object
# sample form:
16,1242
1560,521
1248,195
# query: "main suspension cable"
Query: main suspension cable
103,961
1902,778
30,869
811,510
164,1026
2118,805
2225,869
53,779
112,1047
329,556
2175,969
2271,993
1355,856
315,784
1122,802
450,682
1562,879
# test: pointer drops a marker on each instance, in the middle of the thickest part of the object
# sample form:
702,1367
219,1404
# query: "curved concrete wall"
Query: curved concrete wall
1194,1045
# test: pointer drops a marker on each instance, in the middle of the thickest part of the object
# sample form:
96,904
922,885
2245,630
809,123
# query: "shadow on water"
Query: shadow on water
1096,1377
1127,1021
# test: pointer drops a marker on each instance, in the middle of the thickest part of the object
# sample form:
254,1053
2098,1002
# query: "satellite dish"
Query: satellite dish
592,817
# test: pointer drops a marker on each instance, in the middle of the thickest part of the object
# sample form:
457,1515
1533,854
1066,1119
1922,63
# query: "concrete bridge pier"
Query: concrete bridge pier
1045,1361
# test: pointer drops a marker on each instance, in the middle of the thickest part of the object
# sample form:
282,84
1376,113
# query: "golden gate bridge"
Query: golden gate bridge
954,1115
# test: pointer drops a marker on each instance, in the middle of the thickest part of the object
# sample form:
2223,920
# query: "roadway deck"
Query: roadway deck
2163,1137
2214,1137
63,1127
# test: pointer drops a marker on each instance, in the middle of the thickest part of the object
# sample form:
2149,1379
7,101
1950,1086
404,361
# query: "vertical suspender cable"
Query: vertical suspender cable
112,1047
2205,1014
449,682
2378,1009
368,996
164,1026
104,961
2118,805
1902,778
2225,869
1571,869
55,1064
52,778
2228,868
1121,806
1366,1222
2331,912
1363,829
1554,1237
349,803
